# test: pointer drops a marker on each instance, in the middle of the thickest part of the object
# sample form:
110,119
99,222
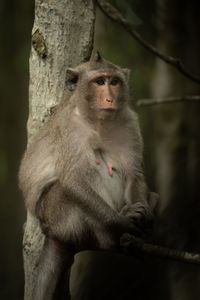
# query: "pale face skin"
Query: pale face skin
106,87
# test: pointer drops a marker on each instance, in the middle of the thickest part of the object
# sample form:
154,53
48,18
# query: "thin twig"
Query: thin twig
165,100
115,15
130,243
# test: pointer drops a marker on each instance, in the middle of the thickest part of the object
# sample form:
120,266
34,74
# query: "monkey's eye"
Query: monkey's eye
100,80
114,81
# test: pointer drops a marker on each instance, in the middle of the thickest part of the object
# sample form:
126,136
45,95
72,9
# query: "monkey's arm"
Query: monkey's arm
140,202
86,197
137,205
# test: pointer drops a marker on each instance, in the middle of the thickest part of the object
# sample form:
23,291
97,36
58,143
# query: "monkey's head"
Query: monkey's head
99,87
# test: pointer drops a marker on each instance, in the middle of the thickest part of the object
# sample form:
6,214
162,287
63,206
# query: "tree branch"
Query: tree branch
165,100
129,243
115,15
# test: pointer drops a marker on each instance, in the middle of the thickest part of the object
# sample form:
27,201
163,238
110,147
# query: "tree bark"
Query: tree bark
62,37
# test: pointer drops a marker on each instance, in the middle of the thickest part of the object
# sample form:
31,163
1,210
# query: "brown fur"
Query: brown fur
79,202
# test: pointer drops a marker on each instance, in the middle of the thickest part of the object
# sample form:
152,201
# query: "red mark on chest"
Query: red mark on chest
98,161
109,166
110,169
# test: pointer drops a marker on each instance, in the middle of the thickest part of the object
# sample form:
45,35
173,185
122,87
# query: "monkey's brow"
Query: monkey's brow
103,74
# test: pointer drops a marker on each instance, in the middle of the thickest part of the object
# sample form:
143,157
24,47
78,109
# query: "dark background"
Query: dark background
16,19
171,131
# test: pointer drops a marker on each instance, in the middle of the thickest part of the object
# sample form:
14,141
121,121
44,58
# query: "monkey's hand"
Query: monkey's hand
139,213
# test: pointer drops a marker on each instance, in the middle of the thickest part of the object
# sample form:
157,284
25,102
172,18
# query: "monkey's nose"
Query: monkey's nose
109,100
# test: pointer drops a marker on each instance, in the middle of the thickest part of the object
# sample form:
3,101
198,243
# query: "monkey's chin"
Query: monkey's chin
106,113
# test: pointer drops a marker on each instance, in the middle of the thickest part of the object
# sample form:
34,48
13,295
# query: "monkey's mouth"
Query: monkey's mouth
107,113
109,109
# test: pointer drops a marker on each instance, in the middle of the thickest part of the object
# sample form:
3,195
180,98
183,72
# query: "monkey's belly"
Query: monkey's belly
110,188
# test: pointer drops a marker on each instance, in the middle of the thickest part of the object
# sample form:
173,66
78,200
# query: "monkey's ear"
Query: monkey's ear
127,73
97,57
71,79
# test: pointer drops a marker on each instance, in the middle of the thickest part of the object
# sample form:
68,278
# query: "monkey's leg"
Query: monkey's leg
54,261
62,291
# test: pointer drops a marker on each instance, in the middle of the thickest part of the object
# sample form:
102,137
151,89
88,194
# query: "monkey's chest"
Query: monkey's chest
108,181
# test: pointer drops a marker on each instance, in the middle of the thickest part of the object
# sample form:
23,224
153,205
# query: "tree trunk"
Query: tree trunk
62,37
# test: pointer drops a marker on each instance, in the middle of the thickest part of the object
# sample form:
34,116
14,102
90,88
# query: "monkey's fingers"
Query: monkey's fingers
135,229
139,215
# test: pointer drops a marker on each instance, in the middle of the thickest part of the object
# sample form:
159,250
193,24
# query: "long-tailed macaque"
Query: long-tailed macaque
82,174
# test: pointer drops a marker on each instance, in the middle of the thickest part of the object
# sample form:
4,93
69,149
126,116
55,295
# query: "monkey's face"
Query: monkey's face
100,88
104,93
